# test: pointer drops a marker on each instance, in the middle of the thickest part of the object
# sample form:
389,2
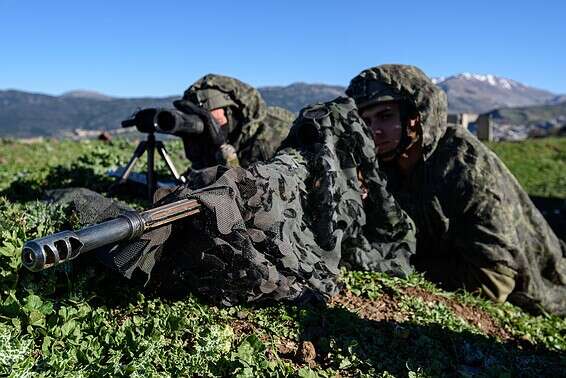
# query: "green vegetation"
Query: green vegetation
82,320
538,164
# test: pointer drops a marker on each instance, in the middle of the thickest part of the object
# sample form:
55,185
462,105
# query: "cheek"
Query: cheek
219,116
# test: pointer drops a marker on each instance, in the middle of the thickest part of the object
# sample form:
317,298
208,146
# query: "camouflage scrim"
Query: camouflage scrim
256,130
476,226
280,229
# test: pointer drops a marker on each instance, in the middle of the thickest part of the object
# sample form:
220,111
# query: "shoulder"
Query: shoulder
464,171
274,127
461,156
276,114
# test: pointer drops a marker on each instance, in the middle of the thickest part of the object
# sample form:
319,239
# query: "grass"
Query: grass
82,320
539,164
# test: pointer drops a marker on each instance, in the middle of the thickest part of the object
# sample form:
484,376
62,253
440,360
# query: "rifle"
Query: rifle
51,250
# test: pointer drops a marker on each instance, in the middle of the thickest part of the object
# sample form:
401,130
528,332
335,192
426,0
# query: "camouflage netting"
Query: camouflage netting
90,207
280,229
256,130
476,226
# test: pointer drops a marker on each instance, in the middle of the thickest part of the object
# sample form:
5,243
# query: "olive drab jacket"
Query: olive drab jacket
257,130
476,226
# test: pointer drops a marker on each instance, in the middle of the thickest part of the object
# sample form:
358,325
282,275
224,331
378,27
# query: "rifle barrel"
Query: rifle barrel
50,250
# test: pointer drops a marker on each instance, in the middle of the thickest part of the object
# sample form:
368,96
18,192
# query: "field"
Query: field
82,320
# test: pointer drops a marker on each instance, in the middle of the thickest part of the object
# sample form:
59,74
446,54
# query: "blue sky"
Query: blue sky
143,48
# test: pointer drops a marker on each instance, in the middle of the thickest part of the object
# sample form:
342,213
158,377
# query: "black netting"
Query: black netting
278,229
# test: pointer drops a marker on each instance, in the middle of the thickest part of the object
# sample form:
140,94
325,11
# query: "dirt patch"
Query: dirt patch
383,308
386,308
242,327
471,314
301,353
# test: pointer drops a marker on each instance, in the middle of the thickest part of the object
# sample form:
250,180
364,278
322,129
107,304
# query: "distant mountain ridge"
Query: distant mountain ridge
24,114
297,95
81,93
477,93
528,121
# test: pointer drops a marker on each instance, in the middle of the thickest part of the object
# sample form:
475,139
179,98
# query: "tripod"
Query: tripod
150,145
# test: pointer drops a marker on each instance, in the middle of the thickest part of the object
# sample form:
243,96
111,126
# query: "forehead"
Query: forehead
379,107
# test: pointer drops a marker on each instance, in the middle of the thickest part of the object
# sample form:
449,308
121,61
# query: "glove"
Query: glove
226,155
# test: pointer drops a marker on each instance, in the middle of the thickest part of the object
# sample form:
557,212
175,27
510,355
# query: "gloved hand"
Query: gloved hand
226,155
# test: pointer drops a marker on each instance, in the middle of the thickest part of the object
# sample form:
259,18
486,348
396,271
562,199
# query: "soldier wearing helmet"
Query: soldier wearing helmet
476,227
252,130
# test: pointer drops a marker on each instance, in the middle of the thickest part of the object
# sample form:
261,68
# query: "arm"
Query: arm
483,219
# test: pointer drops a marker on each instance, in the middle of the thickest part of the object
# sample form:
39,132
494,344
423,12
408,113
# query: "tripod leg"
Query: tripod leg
140,149
165,156
150,166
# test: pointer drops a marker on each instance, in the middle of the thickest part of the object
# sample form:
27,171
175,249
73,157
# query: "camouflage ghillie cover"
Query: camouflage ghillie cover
260,129
280,229
476,226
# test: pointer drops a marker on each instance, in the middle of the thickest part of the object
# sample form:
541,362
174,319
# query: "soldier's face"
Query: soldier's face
219,116
384,121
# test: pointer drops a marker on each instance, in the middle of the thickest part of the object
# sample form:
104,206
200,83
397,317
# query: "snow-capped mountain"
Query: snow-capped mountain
490,79
24,114
478,93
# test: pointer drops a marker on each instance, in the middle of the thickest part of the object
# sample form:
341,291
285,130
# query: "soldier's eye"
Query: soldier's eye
366,121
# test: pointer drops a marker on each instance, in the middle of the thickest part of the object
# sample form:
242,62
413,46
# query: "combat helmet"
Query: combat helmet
368,89
209,98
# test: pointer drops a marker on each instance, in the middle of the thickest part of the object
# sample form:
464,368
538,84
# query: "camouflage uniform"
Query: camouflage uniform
254,129
280,229
476,226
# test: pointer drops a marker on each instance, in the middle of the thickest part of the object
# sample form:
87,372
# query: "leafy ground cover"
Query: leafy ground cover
82,320
538,164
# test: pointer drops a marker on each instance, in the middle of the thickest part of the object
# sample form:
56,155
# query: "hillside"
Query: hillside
24,114
528,121
542,116
296,96
82,320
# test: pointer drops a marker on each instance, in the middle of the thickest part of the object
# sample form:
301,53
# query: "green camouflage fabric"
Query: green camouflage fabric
476,226
279,229
259,129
